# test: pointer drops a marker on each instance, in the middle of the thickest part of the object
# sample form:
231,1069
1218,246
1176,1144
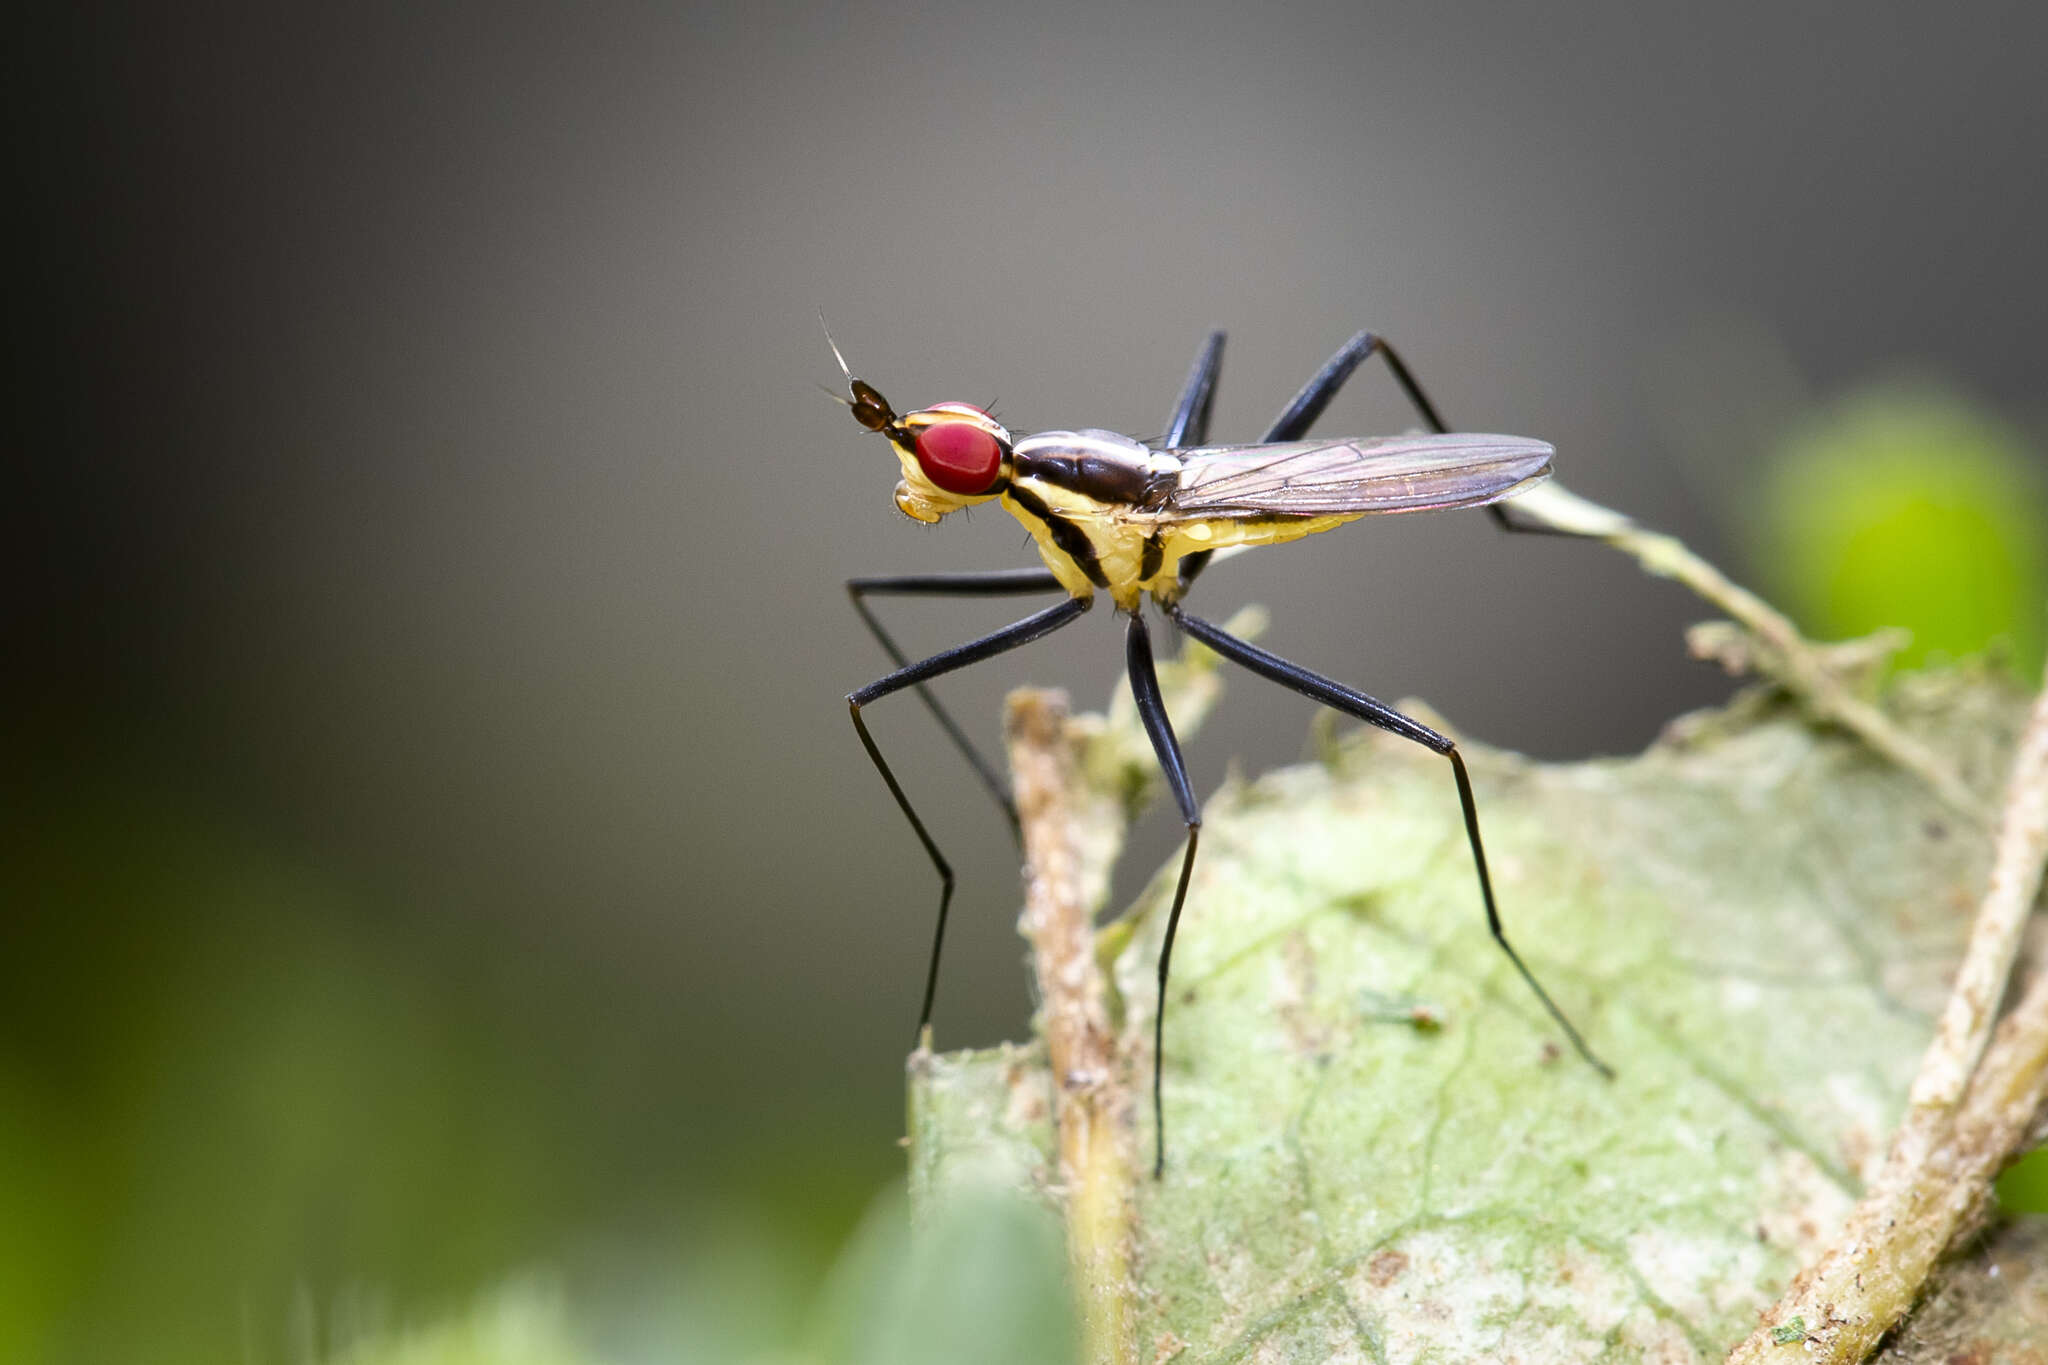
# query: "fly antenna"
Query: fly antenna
835,347
870,409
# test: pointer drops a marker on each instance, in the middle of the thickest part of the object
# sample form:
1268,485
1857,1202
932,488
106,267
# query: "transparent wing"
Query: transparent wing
1374,474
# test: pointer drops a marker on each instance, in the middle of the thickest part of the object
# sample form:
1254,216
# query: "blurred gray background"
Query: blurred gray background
426,479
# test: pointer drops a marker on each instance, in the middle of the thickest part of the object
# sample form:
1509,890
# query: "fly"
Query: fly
1131,519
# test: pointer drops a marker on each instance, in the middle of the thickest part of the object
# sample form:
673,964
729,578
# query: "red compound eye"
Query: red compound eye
959,457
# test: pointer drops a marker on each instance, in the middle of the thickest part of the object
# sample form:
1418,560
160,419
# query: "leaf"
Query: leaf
1753,922
980,1282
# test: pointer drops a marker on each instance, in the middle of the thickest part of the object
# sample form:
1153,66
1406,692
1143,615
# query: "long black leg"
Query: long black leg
1299,415
1355,703
1189,425
998,583
974,651
1152,711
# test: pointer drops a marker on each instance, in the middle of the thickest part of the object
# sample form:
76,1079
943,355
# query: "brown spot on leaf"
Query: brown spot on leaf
1385,1267
1859,1148
1028,1098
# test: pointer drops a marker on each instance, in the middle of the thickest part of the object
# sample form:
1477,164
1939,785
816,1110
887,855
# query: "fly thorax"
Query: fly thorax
1103,471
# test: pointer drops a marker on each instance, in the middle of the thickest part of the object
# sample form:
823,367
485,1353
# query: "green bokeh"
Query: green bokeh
1909,506
248,1113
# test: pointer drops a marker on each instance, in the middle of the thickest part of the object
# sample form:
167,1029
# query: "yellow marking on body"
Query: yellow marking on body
1118,536
1070,574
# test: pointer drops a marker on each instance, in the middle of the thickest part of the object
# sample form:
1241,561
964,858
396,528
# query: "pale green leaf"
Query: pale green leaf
1753,921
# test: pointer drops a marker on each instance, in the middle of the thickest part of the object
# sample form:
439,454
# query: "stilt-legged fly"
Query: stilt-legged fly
1132,519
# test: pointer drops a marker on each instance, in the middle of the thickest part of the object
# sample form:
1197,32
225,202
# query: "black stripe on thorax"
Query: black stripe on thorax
1116,479
1148,564
1071,539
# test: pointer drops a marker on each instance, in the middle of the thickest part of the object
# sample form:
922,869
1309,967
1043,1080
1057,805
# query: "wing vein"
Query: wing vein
1385,474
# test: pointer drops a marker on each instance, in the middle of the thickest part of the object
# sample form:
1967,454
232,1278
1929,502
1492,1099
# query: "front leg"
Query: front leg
994,583
912,675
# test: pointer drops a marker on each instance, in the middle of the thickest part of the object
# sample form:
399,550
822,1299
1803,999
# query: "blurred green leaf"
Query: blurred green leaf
983,1280
2024,1186
1909,506
522,1324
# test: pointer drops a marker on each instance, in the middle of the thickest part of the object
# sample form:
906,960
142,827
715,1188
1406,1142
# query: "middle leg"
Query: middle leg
988,646
994,583
1374,712
1152,711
